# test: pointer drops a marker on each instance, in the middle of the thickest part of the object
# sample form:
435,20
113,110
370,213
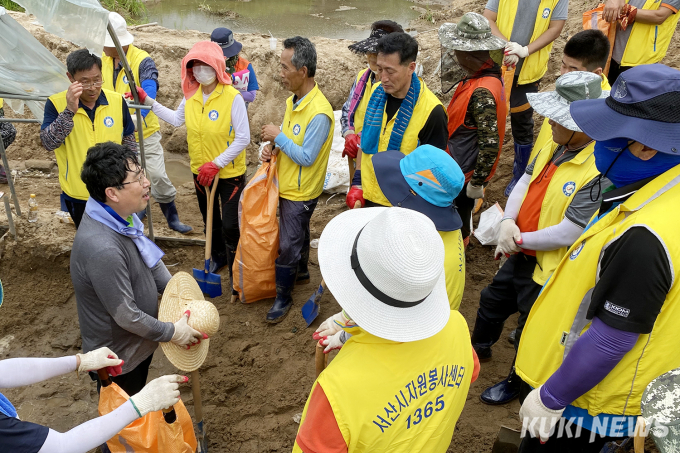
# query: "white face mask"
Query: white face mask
205,75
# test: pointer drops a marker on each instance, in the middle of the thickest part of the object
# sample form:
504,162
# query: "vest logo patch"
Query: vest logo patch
569,188
616,309
296,129
108,121
213,115
546,13
125,79
574,253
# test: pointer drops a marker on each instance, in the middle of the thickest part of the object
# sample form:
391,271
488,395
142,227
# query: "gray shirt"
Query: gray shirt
525,20
622,36
117,294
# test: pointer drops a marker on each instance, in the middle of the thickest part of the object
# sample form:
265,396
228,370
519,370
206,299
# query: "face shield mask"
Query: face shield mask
458,65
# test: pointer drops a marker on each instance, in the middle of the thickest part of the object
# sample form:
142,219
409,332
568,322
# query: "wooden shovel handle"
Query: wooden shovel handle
104,377
196,390
320,359
209,219
639,439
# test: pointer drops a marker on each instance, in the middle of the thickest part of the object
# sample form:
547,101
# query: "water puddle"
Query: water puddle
348,19
178,172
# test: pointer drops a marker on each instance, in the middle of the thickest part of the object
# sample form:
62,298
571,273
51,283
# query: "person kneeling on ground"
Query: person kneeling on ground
546,212
400,382
606,323
117,272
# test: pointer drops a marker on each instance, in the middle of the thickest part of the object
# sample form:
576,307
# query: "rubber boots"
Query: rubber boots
285,280
503,392
303,266
170,213
522,154
484,335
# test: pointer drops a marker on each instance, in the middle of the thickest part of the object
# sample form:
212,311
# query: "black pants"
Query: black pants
521,113
131,382
225,231
615,71
76,208
560,442
294,237
512,290
465,206
372,204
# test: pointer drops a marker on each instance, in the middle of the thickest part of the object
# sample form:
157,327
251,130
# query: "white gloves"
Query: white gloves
509,238
474,192
184,334
334,342
161,393
512,48
510,61
331,326
98,359
536,417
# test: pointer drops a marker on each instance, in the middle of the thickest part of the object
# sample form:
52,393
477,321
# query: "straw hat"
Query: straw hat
181,294
120,28
389,280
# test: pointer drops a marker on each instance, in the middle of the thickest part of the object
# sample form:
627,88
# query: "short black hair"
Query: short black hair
81,60
590,47
304,54
106,165
403,43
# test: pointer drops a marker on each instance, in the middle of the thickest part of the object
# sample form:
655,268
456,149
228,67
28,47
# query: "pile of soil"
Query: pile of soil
257,376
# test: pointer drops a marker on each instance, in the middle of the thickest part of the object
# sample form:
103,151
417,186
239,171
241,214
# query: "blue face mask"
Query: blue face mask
615,161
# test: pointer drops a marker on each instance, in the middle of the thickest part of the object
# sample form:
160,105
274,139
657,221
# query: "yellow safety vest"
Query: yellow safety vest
545,135
536,64
298,183
210,130
2,102
427,101
568,179
135,56
107,126
648,43
454,266
557,318
399,397
361,108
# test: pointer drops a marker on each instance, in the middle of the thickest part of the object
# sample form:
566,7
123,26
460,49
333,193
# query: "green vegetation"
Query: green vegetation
11,6
130,9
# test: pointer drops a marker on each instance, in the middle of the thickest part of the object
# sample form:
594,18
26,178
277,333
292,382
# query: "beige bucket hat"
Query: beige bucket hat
181,294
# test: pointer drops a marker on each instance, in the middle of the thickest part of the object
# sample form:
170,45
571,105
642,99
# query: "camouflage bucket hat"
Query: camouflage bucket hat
472,33
572,86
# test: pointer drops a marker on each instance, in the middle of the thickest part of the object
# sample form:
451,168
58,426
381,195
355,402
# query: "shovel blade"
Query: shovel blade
310,310
507,441
210,284
202,438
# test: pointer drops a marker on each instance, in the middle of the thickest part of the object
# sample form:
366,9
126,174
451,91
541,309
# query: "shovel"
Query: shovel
198,412
507,441
210,284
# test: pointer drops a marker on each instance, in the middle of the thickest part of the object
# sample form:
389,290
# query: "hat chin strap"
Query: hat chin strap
370,287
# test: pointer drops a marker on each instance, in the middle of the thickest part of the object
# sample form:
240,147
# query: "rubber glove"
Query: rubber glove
474,192
352,142
161,393
206,173
184,334
356,193
333,342
509,238
143,98
628,14
510,61
538,419
98,359
512,48
331,326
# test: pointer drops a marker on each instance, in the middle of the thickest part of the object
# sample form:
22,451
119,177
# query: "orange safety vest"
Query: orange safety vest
458,109
241,64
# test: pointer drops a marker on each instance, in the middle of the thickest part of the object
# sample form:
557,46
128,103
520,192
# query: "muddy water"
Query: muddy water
349,19
178,172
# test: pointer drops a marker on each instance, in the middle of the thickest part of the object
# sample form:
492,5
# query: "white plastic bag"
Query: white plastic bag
489,225
337,172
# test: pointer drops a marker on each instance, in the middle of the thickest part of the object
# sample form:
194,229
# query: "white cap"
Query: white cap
120,27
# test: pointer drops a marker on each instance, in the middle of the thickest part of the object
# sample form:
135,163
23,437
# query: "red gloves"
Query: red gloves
206,173
142,96
352,142
627,16
115,370
355,194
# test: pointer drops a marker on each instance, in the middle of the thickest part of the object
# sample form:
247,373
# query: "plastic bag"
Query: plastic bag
151,433
593,20
241,80
337,172
254,267
489,225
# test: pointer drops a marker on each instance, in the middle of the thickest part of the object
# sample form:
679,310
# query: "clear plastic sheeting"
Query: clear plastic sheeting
83,22
26,67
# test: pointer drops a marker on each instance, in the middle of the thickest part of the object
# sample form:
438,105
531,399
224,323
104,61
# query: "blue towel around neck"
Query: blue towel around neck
6,407
370,135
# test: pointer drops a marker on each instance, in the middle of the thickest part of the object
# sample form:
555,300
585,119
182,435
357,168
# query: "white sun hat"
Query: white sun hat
120,27
385,267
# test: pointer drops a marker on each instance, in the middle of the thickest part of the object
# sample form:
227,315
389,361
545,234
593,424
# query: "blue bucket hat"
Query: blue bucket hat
225,39
642,107
427,180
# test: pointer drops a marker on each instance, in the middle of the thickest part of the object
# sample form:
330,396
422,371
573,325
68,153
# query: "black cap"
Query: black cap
225,39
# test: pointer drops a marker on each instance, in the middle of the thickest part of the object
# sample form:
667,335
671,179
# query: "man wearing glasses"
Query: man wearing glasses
117,272
79,118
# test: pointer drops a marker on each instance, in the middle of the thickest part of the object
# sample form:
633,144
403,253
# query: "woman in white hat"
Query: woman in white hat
400,382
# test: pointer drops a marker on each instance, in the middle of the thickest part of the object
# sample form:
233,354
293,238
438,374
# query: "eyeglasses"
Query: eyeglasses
92,84
141,176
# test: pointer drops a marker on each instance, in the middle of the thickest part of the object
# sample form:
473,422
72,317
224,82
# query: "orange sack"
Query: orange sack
151,433
254,267
593,20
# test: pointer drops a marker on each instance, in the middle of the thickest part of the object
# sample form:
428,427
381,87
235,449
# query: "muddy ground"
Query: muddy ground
257,376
